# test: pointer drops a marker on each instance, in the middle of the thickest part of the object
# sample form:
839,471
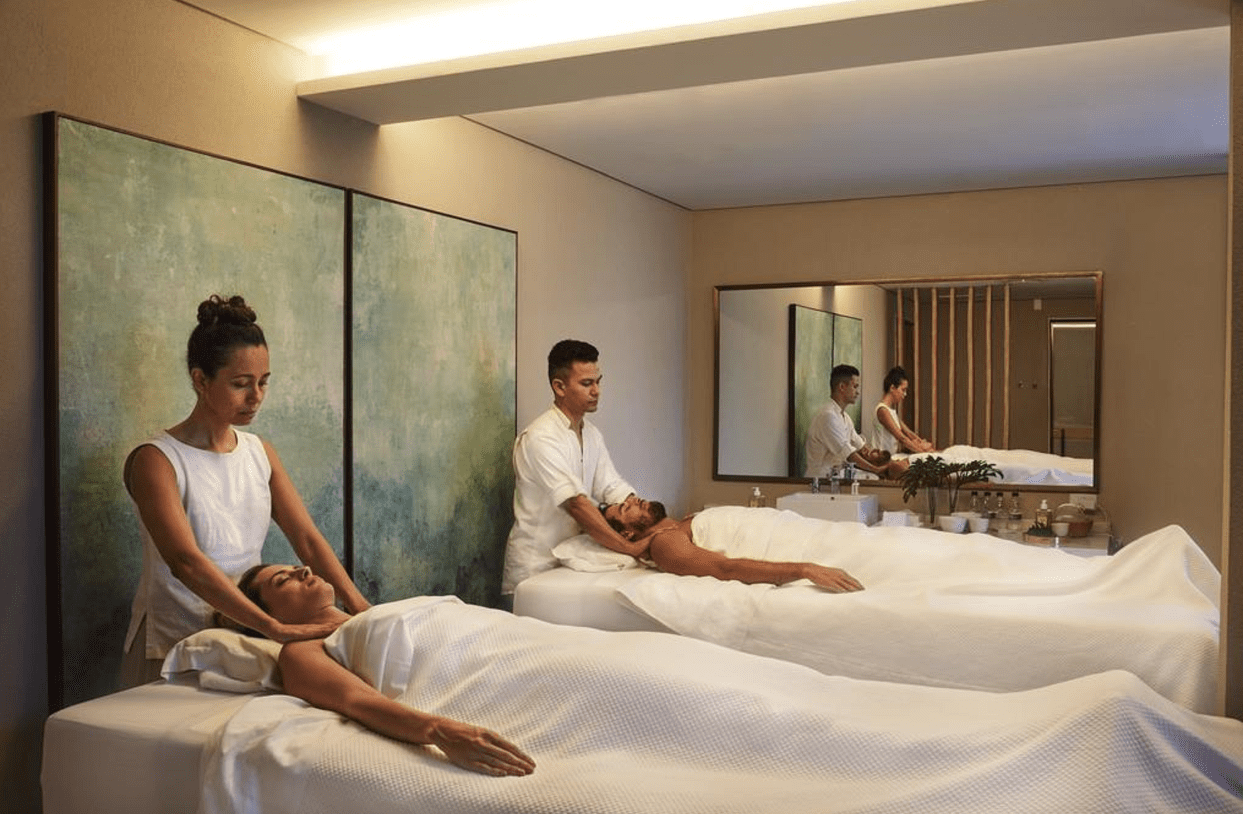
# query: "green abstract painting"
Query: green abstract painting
143,232
819,341
434,390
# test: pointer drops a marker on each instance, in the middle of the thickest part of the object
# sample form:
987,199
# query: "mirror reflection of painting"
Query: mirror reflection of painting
1005,369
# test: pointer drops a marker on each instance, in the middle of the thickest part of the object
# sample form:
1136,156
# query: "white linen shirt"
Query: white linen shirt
831,439
550,467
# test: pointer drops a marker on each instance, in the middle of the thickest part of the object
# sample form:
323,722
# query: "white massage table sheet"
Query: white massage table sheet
1024,466
132,752
590,599
969,611
642,722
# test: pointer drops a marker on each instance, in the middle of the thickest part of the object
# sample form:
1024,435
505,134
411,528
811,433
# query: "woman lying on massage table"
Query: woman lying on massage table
294,595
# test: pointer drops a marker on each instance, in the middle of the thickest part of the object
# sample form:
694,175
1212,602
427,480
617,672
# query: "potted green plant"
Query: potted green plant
930,473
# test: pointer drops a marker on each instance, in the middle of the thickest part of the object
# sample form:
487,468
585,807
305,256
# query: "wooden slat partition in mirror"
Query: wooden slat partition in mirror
964,356
971,365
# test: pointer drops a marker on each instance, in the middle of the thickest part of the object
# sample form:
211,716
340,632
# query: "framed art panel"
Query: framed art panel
434,391
138,233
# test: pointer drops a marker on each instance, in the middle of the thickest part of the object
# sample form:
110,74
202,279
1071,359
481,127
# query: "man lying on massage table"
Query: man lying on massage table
671,547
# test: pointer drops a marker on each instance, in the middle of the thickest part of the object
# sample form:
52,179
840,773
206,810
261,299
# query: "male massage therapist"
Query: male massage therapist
563,472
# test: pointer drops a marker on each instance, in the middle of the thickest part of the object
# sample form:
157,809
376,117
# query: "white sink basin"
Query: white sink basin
863,509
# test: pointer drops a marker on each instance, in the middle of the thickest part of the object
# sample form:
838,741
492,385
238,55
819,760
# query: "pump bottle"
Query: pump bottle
1043,515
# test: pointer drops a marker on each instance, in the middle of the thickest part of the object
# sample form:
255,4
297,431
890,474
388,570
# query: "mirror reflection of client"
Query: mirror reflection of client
671,546
889,431
832,439
294,595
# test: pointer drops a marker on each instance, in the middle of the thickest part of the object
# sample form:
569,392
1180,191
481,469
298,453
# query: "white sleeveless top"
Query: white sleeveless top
881,437
228,499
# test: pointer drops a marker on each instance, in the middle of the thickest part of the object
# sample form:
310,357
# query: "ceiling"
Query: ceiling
788,109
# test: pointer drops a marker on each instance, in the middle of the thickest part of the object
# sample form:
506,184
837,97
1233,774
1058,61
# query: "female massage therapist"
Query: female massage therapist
889,432
308,672
205,494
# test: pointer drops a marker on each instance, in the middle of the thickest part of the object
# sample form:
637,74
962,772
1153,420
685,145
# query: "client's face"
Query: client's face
636,514
293,594
877,457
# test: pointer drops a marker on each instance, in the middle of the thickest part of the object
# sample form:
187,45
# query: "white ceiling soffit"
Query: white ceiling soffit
614,67
1141,107
990,93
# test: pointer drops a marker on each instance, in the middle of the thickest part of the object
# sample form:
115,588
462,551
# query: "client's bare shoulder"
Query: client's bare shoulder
670,532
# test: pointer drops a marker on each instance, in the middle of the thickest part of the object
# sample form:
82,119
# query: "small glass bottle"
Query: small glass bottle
975,502
757,498
1015,511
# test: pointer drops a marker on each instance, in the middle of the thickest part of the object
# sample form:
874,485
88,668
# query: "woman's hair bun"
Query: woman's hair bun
216,310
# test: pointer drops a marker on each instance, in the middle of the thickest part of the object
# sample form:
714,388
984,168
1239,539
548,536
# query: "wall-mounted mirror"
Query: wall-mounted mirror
1005,368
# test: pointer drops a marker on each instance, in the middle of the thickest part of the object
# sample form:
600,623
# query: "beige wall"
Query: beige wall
1161,246
164,70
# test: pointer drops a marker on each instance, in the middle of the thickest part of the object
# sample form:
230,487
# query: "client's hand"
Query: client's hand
480,750
834,580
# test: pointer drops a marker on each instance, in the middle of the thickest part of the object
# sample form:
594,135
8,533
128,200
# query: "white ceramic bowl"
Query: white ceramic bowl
1060,529
952,523
979,524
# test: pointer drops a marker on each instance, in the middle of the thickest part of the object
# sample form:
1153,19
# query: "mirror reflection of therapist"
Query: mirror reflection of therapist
890,432
563,472
832,439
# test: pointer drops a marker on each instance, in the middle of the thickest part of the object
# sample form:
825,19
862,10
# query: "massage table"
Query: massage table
132,752
1021,466
969,611
630,723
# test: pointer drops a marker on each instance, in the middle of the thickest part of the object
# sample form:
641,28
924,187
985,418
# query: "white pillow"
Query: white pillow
226,660
582,553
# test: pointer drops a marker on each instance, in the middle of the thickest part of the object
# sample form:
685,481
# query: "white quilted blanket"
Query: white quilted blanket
647,722
954,610
1022,465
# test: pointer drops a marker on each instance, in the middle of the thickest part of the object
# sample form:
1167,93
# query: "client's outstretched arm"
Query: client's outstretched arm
311,674
673,551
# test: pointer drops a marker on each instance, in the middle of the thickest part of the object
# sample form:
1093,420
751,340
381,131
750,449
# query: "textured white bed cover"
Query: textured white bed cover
567,597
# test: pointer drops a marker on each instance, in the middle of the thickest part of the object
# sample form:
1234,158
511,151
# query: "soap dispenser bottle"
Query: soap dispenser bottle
757,498
1043,515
